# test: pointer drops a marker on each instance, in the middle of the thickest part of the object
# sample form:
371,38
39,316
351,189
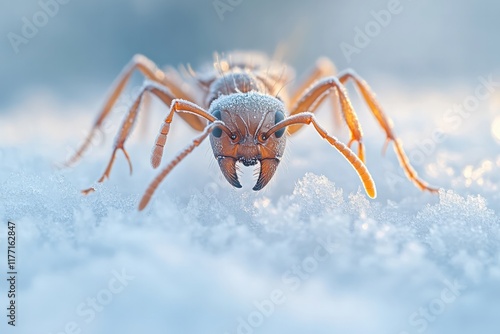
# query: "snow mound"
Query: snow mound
310,254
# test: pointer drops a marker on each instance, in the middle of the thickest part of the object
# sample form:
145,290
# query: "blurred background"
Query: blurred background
78,52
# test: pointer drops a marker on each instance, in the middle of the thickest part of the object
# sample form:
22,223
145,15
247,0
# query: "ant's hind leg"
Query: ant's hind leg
386,124
150,71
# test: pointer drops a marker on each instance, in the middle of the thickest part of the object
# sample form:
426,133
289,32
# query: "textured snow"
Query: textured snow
205,257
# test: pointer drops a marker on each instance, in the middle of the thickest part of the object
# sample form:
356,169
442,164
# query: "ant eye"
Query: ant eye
217,132
278,117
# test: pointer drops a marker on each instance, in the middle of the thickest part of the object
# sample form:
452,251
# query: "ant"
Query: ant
244,109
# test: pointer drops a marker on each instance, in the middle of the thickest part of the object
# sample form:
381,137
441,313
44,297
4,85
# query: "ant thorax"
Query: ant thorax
242,73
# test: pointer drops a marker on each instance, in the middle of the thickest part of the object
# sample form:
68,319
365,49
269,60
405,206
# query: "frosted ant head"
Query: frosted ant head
248,116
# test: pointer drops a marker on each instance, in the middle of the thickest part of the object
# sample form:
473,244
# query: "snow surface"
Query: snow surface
206,258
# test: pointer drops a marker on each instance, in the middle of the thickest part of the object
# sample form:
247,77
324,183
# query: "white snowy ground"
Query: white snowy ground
309,254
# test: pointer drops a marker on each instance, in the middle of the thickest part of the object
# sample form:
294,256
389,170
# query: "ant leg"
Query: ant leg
150,71
386,124
182,107
158,179
312,98
306,118
166,97
324,68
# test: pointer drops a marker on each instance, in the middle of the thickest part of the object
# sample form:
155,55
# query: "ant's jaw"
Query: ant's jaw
228,168
267,169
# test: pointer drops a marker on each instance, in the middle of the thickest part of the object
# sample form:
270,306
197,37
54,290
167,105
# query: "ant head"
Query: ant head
248,116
